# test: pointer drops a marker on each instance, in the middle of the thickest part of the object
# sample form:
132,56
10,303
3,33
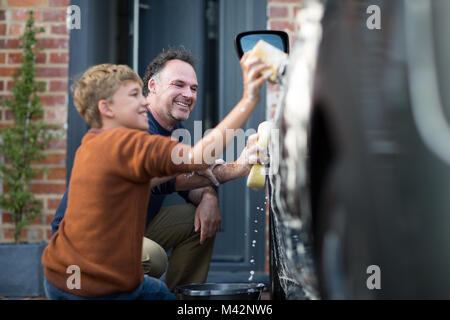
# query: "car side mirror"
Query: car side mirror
245,41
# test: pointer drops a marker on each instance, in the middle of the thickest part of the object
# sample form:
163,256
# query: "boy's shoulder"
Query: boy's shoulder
112,135
120,138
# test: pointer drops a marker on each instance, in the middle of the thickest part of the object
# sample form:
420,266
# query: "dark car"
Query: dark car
360,205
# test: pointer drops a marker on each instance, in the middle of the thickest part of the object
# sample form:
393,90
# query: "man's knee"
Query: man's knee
189,210
154,258
184,216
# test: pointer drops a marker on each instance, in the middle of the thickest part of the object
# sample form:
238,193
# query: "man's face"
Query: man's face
176,90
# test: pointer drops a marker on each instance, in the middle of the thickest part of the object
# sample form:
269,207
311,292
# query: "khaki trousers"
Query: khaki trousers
154,258
173,228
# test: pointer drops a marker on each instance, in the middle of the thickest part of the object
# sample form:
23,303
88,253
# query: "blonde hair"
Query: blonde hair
100,82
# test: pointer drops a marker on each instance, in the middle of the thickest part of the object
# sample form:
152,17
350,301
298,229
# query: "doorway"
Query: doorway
208,28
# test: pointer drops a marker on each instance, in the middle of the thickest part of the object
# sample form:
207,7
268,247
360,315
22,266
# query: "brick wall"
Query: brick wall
52,68
280,16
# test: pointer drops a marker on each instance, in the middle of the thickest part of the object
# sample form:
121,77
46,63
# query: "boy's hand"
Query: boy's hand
253,153
253,77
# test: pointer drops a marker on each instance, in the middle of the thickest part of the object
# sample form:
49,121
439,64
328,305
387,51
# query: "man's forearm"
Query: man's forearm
195,196
223,173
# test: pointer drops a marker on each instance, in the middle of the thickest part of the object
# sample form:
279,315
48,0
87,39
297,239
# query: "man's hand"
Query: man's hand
207,216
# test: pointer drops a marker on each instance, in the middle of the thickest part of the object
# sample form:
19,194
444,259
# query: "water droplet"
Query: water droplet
256,231
256,221
257,208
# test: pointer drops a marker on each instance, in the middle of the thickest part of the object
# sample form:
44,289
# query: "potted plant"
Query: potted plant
21,144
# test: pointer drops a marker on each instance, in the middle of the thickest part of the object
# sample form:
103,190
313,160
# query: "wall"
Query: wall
52,68
281,16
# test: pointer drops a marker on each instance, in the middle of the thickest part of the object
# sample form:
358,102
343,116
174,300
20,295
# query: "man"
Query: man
170,87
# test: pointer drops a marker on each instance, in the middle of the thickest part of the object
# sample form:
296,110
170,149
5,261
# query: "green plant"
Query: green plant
26,139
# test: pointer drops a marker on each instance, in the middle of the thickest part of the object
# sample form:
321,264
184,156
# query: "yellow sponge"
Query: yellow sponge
271,56
257,176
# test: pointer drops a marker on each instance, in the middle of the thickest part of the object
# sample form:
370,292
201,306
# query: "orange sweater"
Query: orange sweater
103,226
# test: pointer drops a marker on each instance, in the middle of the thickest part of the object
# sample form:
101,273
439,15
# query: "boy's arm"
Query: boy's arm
219,137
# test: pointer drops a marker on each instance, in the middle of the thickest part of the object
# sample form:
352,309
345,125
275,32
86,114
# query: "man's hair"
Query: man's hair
159,62
97,83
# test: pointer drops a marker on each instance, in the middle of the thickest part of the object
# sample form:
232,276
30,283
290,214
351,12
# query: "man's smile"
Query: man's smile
183,104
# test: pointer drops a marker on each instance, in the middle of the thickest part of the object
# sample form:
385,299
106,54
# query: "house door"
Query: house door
208,28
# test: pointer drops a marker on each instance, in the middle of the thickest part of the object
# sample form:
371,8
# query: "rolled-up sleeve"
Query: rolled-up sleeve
164,188
168,188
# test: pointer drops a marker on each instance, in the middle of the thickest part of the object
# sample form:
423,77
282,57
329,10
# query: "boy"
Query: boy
115,167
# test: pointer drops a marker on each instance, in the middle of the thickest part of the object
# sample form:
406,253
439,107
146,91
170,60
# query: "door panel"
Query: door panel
167,23
241,245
